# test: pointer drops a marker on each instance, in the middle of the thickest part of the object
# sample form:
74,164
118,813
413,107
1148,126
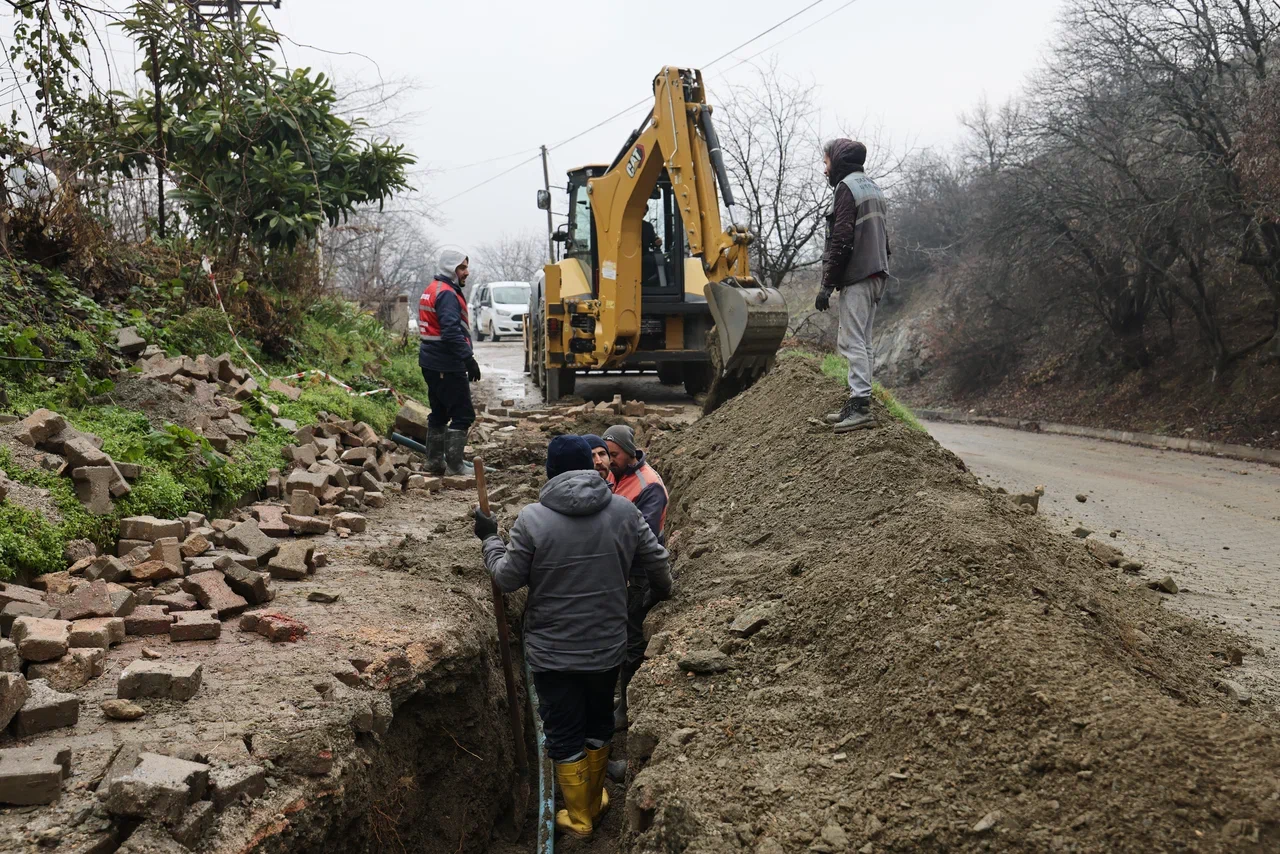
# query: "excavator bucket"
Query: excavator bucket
750,323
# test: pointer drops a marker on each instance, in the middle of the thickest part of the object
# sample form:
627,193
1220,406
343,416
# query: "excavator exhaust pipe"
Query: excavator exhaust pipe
750,323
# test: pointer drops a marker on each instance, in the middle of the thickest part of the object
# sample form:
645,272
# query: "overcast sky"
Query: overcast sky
495,77
491,78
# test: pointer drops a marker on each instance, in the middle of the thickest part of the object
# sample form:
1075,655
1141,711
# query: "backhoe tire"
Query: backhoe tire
670,373
697,378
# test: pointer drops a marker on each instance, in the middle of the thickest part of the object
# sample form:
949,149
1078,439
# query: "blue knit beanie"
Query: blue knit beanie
568,453
594,441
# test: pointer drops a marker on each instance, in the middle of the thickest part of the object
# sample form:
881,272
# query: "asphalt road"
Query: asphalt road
1211,523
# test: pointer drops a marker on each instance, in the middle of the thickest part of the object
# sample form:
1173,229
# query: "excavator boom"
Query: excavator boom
595,301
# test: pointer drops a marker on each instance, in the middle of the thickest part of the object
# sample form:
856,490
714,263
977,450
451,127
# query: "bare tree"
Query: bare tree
376,257
510,258
773,153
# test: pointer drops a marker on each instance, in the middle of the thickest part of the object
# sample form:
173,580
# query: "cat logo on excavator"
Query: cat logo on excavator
633,162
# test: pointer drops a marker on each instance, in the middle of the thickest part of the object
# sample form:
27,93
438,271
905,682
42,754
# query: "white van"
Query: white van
498,309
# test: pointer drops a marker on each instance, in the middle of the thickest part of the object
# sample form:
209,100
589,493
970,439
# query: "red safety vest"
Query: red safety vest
631,485
428,323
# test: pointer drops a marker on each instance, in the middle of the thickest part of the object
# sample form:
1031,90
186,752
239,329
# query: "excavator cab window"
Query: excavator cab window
580,225
662,239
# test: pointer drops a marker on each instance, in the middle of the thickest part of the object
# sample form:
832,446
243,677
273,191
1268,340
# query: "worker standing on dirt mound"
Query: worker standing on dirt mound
855,262
575,549
600,456
635,480
448,364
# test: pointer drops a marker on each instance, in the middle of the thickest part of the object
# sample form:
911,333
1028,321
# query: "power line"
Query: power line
489,179
488,160
808,26
644,100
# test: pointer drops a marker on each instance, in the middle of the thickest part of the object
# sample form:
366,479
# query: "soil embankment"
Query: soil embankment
870,651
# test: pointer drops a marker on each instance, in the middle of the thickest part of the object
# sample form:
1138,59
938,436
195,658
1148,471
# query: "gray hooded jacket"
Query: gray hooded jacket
575,549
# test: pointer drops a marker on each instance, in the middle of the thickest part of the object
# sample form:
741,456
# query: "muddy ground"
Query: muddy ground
910,663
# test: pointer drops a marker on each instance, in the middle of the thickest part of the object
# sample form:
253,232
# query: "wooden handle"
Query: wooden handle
480,485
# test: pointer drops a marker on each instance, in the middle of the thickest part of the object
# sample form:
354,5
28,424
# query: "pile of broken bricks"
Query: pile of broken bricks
67,451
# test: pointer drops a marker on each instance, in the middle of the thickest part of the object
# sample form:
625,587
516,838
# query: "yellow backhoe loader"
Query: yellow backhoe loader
649,279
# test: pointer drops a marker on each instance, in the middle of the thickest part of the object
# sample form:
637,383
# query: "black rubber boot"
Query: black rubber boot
454,443
435,450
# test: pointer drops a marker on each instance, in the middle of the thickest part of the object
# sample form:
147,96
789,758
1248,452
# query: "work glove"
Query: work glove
473,369
486,525
823,302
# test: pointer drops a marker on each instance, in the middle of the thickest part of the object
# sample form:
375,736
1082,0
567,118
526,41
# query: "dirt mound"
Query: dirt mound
915,664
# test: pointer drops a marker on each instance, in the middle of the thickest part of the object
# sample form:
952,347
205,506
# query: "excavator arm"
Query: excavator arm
679,137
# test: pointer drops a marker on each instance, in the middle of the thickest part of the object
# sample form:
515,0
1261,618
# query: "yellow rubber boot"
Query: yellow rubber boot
574,780
597,765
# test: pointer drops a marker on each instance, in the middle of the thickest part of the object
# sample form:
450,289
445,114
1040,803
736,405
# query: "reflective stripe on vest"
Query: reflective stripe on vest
428,321
633,484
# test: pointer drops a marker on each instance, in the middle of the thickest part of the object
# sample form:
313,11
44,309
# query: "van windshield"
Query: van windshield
510,295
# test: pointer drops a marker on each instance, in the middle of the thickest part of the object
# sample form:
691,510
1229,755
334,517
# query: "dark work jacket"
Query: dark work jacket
451,352
857,233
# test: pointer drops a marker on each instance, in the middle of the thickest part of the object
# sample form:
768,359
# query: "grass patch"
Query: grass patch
837,368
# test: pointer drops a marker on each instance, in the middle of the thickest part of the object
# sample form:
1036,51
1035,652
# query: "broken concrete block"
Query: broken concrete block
153,571
124,548
106,568
81,452
247,583
195,625
40,639
375,500
176,602
65,674
168,550
88,600
33,775
458,482
211,590
129,342
174,680
302,456
233,783
40,425
13,694
284,388
123,599
247,538
14,610
195,824
353,522
411,420
93,488
150,529
303,503
18,593
270,521
273,626
44,710
95,659
10,661
147,620
292,561
307,524
160,787
195,545
98,633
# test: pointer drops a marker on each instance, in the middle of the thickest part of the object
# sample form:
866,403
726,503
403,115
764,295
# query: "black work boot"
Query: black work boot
435,450
857,416
454,443
845,411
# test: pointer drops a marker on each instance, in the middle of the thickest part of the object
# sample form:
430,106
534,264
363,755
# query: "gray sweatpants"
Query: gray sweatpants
857,315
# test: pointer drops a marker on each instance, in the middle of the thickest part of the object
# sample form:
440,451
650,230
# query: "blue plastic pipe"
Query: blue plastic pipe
546,773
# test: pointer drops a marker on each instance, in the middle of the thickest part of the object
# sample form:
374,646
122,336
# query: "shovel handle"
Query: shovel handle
504,639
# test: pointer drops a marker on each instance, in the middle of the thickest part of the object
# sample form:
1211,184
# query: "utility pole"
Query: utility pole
546,185
229,9
160,147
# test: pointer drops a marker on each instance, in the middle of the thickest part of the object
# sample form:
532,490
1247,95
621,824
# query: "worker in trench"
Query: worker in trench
635,480
855,263
600,457
575,549
448,365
